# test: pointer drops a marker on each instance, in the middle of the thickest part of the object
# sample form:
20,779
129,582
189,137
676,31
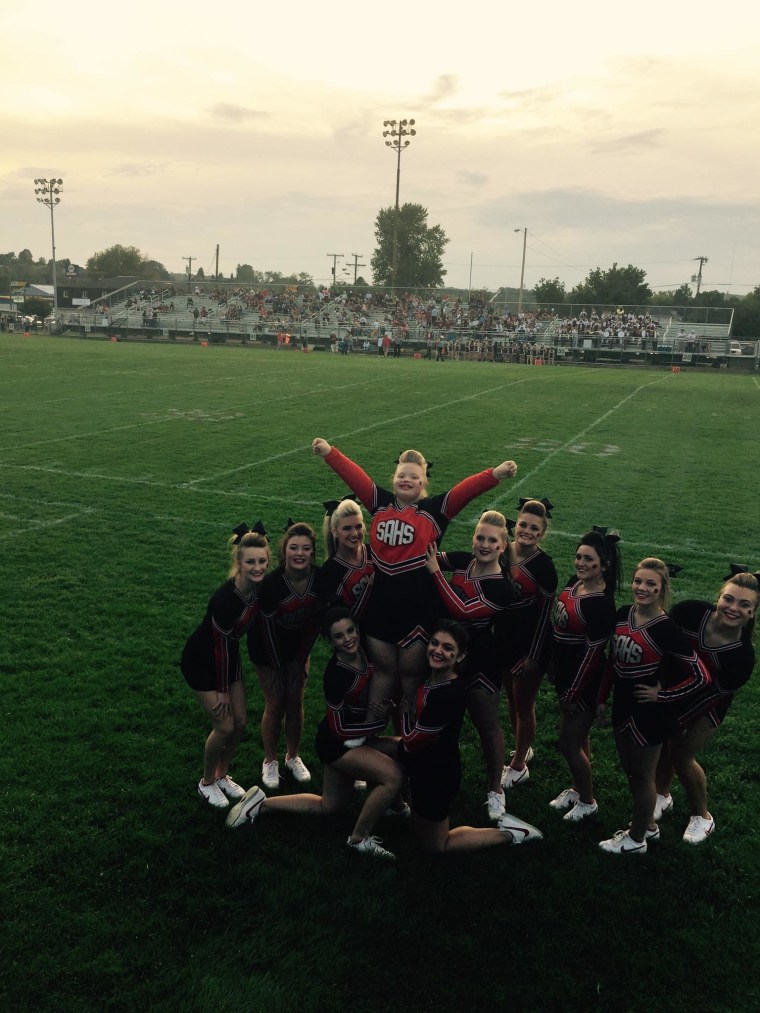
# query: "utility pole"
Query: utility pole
522,269
698,276
335,258
216,272
189,267
357,265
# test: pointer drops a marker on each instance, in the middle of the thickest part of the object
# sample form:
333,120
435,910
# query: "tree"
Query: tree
713,297
35,306
680,296
550,292
123,261
246,273
420,248
747,316
618,286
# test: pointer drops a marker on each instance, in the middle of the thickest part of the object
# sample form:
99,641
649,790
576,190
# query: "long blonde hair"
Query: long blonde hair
346,508
238,545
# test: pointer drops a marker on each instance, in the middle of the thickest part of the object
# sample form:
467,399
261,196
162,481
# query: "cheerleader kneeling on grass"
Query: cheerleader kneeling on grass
346,680
429,752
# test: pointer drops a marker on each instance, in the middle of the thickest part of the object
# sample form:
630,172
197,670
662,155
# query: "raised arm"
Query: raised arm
355,477
475,485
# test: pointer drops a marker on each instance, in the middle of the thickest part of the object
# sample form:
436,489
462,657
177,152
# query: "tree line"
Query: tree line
409,255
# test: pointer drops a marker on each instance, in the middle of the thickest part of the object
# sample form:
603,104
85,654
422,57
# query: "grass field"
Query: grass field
124,467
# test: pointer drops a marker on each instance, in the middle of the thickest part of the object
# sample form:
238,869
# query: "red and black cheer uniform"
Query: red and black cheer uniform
429,747
342,583
522,629
475,601
346,698
211,655
402,605
636,655
290,621
729,665
582,626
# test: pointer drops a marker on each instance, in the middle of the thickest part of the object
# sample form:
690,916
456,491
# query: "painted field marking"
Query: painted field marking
32,525
129,392
514,486
353,432
177,415
534,443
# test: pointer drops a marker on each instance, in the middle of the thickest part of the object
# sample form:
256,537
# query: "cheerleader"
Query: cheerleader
645,690
480,588
347,677
346,575
405,520
429,752
523,631
211,661
721,634
583,621
288,606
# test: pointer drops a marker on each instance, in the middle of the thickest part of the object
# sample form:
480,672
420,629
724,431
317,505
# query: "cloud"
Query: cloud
443,87
233,113
529,99
137,169
586,209
470,178
629,142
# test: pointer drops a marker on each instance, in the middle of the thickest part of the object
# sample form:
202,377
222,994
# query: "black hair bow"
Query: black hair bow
547,503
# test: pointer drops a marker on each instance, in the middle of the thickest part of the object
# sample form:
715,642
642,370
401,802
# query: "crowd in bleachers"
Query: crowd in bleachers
613,328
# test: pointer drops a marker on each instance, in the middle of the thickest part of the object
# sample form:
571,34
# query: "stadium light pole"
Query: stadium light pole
522,269
49,189
399,131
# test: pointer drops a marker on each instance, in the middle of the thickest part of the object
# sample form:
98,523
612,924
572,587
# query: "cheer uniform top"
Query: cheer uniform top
346,691
474,601
429,747
402,604
290,620
523,629
342,583
211,655
637,651
729,665
582,625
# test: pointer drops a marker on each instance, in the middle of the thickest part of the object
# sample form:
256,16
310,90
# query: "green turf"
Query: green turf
124,467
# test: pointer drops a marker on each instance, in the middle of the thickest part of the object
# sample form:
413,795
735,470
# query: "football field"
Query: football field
124,467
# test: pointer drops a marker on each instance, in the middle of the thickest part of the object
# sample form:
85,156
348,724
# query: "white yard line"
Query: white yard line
32,525
514,486
174,416
353,432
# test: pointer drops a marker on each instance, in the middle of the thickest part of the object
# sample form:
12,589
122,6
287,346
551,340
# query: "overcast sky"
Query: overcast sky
612,132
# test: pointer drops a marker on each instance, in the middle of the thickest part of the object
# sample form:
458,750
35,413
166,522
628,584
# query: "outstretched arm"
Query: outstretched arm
507,469
354,476
469,488
320,447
